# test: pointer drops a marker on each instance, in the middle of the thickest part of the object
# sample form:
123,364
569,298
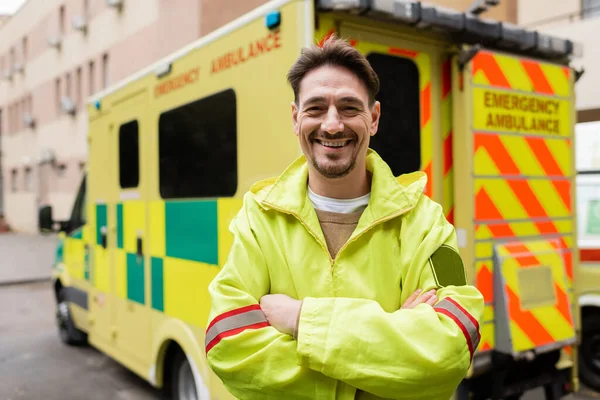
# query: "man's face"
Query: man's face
333,120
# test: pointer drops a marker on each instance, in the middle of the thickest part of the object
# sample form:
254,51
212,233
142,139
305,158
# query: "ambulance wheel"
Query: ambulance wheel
183,385
589,360
67,331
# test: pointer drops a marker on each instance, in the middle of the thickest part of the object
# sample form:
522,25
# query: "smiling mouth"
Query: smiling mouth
334,144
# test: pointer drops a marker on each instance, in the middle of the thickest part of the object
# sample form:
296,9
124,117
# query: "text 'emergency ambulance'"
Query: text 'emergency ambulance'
521,113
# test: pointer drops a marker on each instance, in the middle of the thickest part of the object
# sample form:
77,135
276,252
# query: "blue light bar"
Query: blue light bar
273,19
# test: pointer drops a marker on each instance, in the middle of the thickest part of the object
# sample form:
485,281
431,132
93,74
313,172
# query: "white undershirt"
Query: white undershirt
338,205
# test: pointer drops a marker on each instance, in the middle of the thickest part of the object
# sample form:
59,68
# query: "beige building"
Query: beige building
579,21
56,53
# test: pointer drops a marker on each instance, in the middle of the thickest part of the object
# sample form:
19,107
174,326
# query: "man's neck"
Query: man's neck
356,184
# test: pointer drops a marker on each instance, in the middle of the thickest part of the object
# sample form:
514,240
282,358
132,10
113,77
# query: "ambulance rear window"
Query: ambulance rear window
198,148
398,139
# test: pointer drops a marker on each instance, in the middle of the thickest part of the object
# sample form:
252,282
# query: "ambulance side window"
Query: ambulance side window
78,214
398,139
198,148
129,155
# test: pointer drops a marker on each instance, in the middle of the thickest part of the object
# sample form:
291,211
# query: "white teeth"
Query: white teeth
334,144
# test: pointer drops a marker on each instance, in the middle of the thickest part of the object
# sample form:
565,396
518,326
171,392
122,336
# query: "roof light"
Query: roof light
516,37
441,17
273,19
576,49
342,4
97,105
551,46
163,70
407,11
482,28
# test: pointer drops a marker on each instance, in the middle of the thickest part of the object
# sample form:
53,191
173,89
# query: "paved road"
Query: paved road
35,365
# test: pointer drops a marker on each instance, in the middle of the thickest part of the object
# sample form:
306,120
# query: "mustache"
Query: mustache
322,135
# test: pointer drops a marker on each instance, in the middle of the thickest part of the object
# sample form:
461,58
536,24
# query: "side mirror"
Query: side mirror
45,221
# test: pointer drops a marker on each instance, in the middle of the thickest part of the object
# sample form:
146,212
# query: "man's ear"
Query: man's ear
295,117
375,115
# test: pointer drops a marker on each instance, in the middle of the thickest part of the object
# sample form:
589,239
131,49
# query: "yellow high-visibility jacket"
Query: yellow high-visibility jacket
354,339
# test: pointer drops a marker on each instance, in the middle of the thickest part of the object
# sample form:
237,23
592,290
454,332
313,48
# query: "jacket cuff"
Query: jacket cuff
315,319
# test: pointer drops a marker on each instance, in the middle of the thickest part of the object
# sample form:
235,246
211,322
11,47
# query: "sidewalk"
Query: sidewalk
26,257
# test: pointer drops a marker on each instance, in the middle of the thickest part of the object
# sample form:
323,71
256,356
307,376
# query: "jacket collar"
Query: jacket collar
389,195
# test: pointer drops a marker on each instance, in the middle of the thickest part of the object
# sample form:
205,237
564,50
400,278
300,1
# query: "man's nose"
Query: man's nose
332,123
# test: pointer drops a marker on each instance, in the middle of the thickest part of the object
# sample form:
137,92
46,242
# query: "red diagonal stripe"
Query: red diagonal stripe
544,156
353,42
450,216
485,209
522,254
526,321
568,258
487,63
448,153
402,52
527,198
567,72
485,283
446,79
425,105
501,230
562,303
495,148
537,76
564,190
485,346
429,186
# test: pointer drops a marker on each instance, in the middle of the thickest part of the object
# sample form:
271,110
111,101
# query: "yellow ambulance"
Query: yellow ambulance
485,108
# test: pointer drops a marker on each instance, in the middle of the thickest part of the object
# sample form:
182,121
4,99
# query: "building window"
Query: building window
57,94
398,140
13,180
78,87
590,8
91,78
28,180
105,77
13,59
61,20
1,121
24,49
68,85
196,140
129,155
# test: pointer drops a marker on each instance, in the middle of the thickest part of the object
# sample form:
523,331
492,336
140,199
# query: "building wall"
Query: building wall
115,45
567,19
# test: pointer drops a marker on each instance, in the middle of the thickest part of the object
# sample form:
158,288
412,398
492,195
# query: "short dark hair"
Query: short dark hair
334,52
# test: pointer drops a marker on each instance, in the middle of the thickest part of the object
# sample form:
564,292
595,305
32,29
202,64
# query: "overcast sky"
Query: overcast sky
10,6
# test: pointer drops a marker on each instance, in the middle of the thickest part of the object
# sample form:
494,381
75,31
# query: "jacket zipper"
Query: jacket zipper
324,246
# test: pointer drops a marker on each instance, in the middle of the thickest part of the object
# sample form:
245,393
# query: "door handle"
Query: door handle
103,236
139,249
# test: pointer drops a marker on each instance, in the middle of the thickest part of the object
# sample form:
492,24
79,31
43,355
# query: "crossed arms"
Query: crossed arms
421,351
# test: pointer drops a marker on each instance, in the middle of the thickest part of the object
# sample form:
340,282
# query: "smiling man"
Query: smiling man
343,281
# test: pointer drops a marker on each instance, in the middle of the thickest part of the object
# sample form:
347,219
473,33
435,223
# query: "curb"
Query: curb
25,281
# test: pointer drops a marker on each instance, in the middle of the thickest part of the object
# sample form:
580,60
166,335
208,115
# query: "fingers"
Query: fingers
414,300
413,297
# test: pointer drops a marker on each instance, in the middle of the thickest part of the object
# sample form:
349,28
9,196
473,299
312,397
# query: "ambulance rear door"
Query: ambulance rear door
514,179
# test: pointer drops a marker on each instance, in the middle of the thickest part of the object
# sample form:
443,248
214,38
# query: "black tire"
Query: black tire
183,386
589,355
67,331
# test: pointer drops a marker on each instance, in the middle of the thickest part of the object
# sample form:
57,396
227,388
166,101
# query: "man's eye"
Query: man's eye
313,109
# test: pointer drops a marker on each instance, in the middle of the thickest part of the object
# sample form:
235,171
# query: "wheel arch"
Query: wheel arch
172,336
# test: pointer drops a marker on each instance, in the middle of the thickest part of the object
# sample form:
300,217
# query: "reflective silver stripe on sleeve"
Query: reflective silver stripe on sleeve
234,322
466,320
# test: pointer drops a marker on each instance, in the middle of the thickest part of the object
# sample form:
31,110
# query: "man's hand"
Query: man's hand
281,312
414,299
